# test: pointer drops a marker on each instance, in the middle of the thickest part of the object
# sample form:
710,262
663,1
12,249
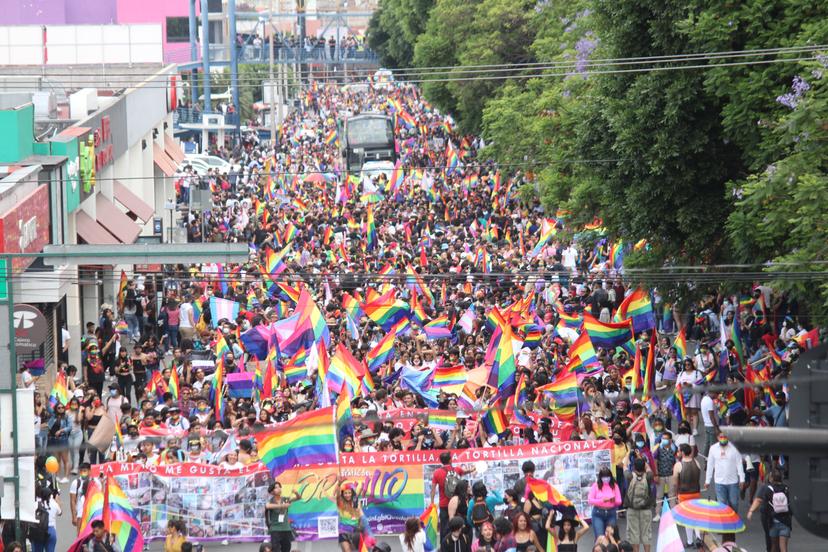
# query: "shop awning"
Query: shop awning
91,232
132,202
118,224
163,160
173,149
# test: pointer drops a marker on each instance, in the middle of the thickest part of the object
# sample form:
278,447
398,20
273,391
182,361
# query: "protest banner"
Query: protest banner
220,504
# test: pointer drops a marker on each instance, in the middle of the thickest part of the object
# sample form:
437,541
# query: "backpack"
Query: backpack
452,480
779,500
480,513
639,494
39,530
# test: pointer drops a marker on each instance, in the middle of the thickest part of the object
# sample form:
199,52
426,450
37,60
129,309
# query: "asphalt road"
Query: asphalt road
752,540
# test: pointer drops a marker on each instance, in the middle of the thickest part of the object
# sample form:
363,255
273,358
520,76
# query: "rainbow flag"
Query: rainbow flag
221,347
616,255
295,368
417,310
274,262
583,349
564,389
386,310
307,439
351,306
172,385
311,319
122,285
108,503
681,343
218,389
332,137
381,353
344,418
638,307
545,493
432,534
452,159
397,178
438,328
608,336
501,353
59,393
675,404
370,230
569,321
345,371
494,420
548,230
648,377
449,376
442,420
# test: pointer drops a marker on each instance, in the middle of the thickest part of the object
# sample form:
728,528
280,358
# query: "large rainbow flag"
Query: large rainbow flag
307,439
638,307
608,336
108,503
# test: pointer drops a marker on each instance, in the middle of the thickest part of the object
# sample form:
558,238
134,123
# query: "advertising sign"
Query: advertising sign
390,486
30,328
71,180
25,227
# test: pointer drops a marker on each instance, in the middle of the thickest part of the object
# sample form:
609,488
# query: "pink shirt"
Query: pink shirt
598,497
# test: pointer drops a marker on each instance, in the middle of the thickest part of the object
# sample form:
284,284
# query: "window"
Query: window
178,29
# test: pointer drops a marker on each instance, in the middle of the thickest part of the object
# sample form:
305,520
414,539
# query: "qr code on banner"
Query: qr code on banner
327,527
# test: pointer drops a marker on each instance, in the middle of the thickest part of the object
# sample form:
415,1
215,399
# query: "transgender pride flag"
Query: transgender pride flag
223,308
669,539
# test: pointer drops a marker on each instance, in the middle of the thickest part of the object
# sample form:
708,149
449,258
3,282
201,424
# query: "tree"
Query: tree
746,106
473,33
660,135
781,212
394,28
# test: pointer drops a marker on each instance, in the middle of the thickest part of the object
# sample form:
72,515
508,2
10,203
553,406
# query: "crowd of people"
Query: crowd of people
452,237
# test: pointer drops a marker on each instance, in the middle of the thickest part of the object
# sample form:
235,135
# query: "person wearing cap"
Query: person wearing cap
777,415
77,494
176,421
366,440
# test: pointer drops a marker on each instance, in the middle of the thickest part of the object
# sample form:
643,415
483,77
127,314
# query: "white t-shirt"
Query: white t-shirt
569,257
186,312
708,410
417,545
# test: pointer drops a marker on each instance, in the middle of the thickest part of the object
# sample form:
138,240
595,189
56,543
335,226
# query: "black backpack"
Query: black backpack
39,530
480,513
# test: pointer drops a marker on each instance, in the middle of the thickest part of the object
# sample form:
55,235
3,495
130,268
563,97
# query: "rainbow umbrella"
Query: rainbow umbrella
708,515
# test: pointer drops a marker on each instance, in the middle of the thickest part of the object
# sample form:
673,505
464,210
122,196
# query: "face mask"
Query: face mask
639,444
113,392
606,480
665,442
723,442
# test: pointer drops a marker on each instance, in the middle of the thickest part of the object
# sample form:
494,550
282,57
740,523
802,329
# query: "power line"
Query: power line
454,69
573,72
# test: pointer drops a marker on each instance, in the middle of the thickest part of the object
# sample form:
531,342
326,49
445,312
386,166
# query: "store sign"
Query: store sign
72,172
102,138
87,164
30,328
25,227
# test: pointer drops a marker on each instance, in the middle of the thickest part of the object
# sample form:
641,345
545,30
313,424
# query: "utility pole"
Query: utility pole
272,83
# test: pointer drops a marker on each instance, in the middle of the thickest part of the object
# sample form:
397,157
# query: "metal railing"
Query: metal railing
191,115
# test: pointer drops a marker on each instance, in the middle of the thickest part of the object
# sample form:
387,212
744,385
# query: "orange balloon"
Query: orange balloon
52,464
